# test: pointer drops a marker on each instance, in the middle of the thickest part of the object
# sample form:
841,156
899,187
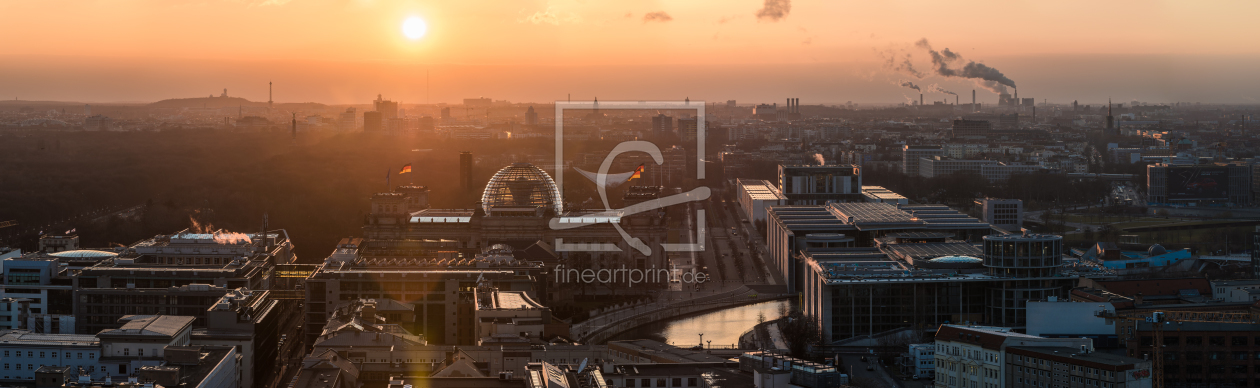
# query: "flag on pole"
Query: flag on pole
405,169
637,172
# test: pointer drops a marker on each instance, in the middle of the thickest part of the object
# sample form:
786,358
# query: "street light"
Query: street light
702,340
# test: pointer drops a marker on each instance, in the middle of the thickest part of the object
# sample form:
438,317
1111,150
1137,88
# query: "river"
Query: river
722,327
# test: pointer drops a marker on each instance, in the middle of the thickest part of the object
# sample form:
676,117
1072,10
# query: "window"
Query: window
676,382
691,381
140,352
126,351
80,356
1216,341
1194,341
660,383
629,383
41,354
1238,341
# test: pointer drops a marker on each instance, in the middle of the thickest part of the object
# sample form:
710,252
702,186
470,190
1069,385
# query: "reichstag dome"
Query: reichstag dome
522,184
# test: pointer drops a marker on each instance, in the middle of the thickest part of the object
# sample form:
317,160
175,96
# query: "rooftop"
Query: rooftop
23,337
151,325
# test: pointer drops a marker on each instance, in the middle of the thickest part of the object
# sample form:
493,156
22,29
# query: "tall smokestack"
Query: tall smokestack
955,99
920,99
973,99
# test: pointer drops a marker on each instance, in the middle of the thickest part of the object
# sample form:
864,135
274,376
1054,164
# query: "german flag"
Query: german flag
637,172
405,169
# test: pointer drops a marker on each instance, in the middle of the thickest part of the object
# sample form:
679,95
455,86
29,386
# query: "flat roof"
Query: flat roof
23,337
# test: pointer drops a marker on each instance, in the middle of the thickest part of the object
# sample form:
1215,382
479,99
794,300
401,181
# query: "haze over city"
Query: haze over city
629,194
826,52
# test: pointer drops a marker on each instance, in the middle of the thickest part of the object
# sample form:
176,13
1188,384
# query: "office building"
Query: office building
911,154
98,123
964,128
687,129
998,357
432,276
662,124
756,195
794,229
1199,185
883,195
531,117
818,185
1007,214
25,352
919,361
372,122
388,109
99,309
50,243
1201,352
348,121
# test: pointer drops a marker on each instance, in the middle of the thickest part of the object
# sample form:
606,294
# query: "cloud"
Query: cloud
548,16
725,19
658,16
774,10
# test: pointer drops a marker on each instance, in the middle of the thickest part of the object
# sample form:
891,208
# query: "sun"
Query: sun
414,28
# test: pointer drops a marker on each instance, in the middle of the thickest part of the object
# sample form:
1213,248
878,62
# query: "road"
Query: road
852,364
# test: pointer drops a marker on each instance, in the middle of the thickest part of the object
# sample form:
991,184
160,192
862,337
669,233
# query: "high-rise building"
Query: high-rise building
348,120
446,113
466,171
372,121
1003,213
817,185
388,109
662,124
910,155
531,117
687,129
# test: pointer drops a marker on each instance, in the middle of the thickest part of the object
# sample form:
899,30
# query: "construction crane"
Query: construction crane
5,224
1158,319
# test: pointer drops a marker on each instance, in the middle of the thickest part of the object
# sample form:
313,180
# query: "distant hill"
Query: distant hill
228,102
205,102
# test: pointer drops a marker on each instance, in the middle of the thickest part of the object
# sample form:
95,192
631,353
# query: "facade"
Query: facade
432,277
818,185
860,224
920,361
50,243
1198,353
1003,213
372,121
142,340
1199,185
257,325
520,207
755,195
34,287
662,124
1060,366
25,352
979,356
911,154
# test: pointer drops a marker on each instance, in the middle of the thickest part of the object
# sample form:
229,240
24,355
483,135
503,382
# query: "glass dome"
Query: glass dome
957,260
522,184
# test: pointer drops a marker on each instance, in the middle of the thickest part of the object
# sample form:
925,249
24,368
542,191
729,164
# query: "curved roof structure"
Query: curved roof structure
957,260
522,184
84,254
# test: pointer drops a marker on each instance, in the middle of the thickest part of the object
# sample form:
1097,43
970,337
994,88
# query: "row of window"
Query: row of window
31,354
89,368
1212,341
660,382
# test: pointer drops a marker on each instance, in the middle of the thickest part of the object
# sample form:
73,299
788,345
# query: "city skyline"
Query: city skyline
347,52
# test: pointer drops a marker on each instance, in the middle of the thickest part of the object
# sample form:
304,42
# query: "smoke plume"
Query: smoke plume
231,238
774,10
946,64
942,90
658,16
911,85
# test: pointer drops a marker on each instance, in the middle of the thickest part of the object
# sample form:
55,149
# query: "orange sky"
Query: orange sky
823,50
